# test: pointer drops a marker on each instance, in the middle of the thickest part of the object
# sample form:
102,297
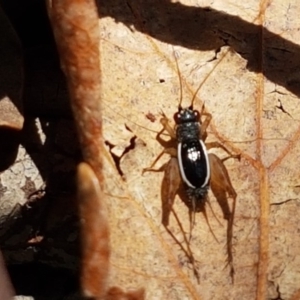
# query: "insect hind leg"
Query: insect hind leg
188,251
221,186
171,186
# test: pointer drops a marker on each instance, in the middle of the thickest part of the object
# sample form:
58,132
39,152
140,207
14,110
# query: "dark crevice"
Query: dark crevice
226,37
278,297
217,51
280,106
278,92
280,49
283,202
116,158
131,146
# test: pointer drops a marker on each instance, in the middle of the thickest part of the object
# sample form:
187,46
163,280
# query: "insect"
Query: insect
191,171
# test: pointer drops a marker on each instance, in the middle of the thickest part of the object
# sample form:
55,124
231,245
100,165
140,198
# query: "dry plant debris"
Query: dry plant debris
11,74
75,26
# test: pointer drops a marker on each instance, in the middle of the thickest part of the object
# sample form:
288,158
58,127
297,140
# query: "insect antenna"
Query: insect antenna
195,95
202,109
180,84
179,77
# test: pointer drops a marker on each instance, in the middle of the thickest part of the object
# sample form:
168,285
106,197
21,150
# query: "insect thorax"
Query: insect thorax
187,131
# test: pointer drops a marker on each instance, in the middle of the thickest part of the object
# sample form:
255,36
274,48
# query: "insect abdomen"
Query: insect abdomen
193,163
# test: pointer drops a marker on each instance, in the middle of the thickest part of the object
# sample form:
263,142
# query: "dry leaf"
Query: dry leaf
246,59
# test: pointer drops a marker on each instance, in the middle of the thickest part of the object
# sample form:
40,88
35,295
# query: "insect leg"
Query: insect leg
220,185
188,252
167,127
238,156
170,184
218,145
170,151
168,145
170,187
205,124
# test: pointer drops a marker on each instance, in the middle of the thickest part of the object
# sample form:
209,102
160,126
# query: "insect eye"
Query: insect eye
177,117
197,115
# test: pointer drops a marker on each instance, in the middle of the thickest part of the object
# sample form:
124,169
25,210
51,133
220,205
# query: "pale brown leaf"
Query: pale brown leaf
246,57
